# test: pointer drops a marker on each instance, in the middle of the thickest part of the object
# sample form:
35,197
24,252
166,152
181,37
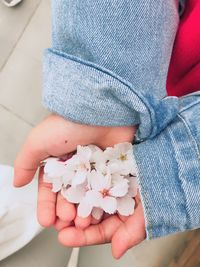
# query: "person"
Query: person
11,3
105,82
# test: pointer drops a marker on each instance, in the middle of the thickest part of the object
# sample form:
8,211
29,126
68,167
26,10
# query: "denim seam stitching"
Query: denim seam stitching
144,199
179,172
189,106
195,145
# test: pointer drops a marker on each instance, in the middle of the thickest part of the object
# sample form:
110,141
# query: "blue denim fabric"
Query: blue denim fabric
109,61
108,66
169,173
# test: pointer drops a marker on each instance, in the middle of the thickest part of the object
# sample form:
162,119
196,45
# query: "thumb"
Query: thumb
46,139
129,234
27,163
36,148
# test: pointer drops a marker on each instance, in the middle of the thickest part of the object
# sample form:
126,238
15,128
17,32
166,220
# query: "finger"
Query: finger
97,215
93,235
65,210
28,161
130,233
82,223
46,210
137,199
59,225
123,218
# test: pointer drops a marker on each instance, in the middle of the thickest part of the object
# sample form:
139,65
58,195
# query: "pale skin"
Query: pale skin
56,136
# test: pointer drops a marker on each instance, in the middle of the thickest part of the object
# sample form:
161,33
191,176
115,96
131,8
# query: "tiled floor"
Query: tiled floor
24,33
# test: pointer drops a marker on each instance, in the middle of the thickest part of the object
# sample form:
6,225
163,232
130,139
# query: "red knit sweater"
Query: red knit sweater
184,69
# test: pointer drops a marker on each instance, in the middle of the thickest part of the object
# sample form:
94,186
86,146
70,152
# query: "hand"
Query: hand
56,136
122,232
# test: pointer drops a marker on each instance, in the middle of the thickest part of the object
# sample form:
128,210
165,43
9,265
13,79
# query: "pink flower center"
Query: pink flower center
105,192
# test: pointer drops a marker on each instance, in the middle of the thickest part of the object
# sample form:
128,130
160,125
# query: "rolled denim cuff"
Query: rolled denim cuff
168,177
87,93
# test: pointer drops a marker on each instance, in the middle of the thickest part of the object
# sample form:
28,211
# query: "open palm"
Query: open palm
122,232
56,136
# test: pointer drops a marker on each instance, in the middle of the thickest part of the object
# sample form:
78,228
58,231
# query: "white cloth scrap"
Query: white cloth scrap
18,221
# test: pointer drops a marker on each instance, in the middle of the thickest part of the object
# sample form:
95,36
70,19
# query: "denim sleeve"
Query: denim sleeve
169,173
108,62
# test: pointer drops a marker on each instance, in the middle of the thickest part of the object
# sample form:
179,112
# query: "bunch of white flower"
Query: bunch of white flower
97,180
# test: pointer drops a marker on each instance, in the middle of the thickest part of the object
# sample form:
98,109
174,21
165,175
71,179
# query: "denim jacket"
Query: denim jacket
108,66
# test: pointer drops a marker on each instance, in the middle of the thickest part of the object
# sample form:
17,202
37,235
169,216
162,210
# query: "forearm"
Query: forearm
109,60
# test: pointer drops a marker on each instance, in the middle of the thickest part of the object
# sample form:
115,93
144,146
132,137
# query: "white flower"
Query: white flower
125,205
94,148
56,182
75,194
120,158
55,172
108,185
54,167
97,180
133,186
98,161
79,165
87,204
103,193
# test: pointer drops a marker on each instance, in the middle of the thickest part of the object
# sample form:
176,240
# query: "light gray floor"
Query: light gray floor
43,251
24,33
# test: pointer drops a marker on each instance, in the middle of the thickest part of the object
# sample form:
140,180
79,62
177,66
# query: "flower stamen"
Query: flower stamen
123,157
105,192
82,167
93,166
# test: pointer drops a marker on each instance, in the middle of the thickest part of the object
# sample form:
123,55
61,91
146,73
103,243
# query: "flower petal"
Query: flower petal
54,168
84,209
114,166
68,177
84,152
74,194
101,167
127,167
133,186
107,181
72,164
109,204
120,189
47,179
117,178
125,205
56,186
93,197
94,148
79,178
110,153
98,156
97,180
124,147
